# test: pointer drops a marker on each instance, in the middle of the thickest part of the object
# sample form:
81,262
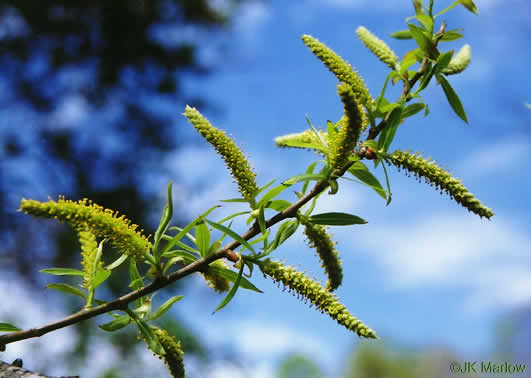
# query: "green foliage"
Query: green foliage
170,259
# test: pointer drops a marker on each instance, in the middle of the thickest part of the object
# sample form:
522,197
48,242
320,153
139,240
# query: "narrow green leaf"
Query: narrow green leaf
100,277
116,263
118,323
412,109
233,216
167,214
452,98
234,200
261,220
426,78
304,177
285,230
388,186
443,60
360,171
336,219
309,170
166,306
202,237
418,36
469,4
67,289
402,34
448,8
426,22
272,194
278,205
388,133
318,134
7,327
232,234
232,291
136,280
265,187
62,272
185,230
149,337
451,36
408,60
233,276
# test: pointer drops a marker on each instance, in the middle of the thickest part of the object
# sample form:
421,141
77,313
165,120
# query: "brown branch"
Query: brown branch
161,282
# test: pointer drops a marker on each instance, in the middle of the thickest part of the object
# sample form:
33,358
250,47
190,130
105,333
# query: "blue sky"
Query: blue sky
423,271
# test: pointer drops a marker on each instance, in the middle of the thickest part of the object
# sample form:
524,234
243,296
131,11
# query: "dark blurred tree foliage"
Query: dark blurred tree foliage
90,97
117,62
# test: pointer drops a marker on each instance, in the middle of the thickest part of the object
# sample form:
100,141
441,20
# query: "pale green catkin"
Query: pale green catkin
236,162
219,284
459,61
339,67
341,146
319,239
173,354
89,249
87,216
321,298
438,177
378,48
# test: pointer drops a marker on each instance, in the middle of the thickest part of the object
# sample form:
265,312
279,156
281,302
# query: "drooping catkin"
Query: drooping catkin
85,215
319,239
378,48
236,162
438,177
321,298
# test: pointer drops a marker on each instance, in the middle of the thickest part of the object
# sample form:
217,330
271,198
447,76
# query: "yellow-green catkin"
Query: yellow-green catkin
89,250
173,356
339,67
236,162
341,146
378,48
438,177
321,298
319,239
298,140
459,61
213,280
84,216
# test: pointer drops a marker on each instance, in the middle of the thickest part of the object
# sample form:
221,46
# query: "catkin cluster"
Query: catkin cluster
225,146
219,284
173,356
438,177
85,215
378,47
89,248
319,239
321,298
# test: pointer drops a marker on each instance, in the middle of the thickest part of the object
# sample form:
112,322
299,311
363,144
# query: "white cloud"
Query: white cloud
250,18
488,259
496,158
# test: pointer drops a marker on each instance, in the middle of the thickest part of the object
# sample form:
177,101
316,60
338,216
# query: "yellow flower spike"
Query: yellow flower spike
339,67
213,280
173,356
87,216
89,249
438,177
459,62
319,239
378,48
344,141
225,146
311,290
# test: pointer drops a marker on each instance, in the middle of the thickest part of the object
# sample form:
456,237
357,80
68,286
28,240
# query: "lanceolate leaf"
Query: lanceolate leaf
233,276
118,323
402,34
64,271
360,171
100,277
202,236
67,289
452,98
232,234
336,219
6,327
412,109
272,194
166,306
232,291
304,177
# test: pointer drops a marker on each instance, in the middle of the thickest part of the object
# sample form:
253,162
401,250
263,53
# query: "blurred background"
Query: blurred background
91,102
